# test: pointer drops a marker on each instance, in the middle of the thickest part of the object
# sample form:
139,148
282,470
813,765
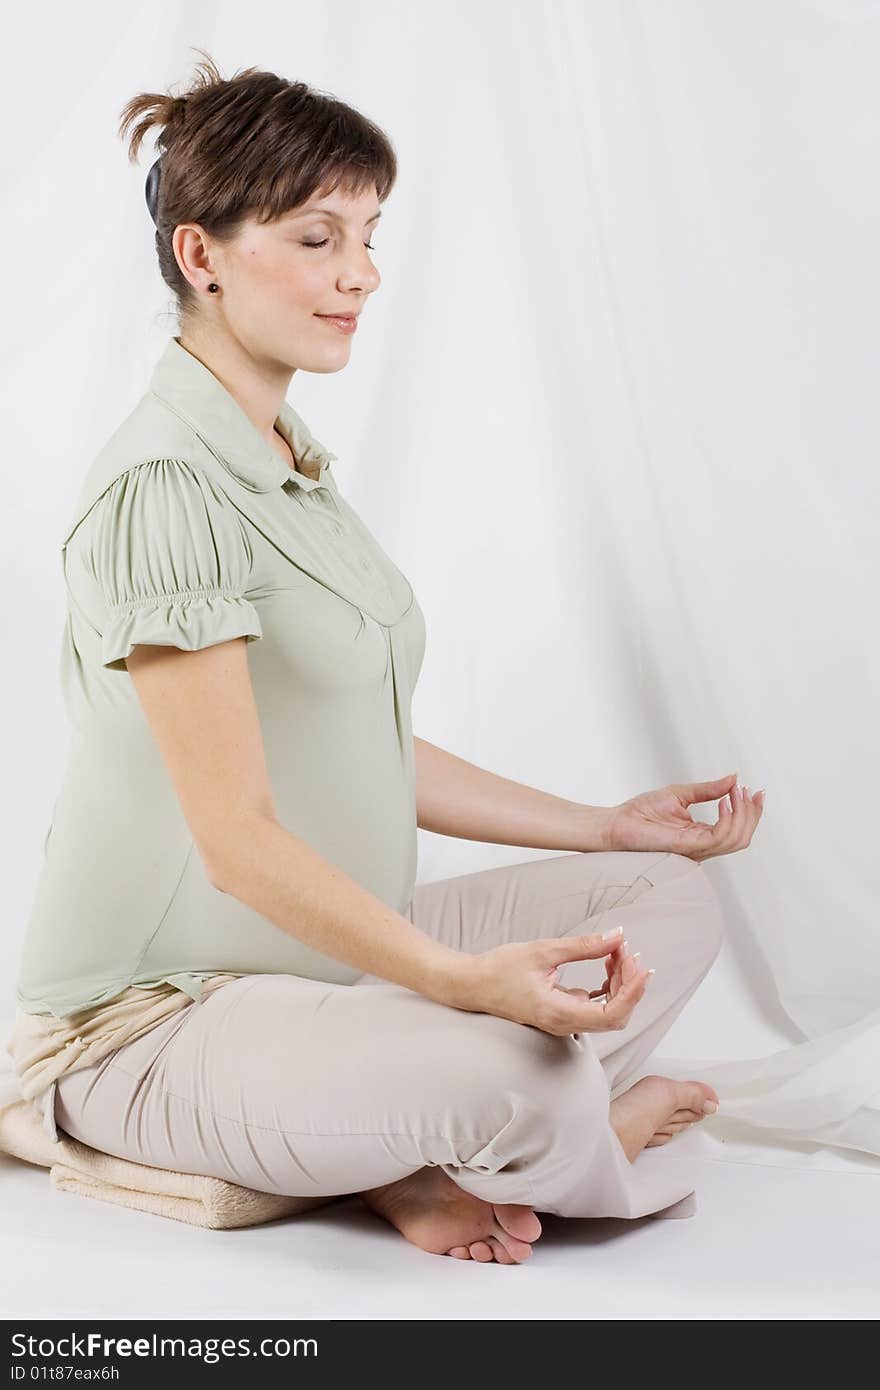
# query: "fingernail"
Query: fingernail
607,935
709,1107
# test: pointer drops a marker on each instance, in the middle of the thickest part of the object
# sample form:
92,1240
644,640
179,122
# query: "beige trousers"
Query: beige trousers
306,1088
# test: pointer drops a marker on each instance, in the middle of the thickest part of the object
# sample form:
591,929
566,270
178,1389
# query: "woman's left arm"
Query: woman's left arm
455,797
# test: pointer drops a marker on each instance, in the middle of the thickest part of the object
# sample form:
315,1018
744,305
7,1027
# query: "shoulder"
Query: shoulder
162,513
162,558
153,453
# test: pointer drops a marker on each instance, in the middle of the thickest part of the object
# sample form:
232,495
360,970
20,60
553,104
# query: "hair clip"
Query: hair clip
151,189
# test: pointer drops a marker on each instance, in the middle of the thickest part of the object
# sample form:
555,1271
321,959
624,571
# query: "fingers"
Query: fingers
566,948
614,965
613,979
618,1009
738,816
612,971
626,981
596,1016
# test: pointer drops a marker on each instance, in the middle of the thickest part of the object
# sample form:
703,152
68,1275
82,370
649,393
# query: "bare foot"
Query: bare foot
437,1215
655,1109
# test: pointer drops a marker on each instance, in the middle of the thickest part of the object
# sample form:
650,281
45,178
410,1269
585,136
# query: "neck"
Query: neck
258,387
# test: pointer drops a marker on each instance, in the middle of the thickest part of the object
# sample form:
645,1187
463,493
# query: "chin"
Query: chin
324,362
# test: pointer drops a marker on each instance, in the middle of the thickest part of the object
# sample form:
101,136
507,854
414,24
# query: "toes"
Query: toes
501,1255
492,1248
518,1221
518,1250
702,1091
482,1251
669,1131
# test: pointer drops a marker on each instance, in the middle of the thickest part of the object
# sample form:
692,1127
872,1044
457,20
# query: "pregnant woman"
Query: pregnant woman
229,969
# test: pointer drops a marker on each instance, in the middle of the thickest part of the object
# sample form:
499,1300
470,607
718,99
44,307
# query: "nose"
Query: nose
362,277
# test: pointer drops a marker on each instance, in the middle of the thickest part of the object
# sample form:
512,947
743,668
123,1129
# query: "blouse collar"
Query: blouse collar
198,397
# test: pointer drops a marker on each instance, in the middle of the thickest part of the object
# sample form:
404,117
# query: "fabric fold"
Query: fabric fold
825,1090
191,621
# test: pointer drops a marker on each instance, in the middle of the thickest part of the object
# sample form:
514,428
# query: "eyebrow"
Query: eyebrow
328,212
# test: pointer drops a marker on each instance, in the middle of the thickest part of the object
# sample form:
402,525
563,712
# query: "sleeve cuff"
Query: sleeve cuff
190,624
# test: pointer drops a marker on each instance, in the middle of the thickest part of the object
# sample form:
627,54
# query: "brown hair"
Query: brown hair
253,145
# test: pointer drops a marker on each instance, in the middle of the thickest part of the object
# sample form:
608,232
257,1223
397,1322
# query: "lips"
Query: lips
345,323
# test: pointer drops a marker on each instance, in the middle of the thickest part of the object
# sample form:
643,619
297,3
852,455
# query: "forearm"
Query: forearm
283,878
455,797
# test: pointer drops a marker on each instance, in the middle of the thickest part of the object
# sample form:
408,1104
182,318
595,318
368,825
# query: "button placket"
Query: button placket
329,510
322,505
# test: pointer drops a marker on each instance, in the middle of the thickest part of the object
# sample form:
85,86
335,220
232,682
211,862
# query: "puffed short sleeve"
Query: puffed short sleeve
171,559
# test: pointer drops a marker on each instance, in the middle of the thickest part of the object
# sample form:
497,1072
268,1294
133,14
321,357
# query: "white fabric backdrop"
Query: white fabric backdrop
614,405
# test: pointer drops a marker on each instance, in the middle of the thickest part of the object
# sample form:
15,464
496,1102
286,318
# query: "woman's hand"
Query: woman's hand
659,820
519,981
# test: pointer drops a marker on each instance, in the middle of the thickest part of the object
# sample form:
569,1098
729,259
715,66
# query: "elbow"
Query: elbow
222,853
216,861
218,865
215,875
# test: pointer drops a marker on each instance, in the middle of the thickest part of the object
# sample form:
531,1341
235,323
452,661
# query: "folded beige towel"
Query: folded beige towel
198,1200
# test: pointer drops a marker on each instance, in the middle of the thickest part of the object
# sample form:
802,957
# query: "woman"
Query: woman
229,969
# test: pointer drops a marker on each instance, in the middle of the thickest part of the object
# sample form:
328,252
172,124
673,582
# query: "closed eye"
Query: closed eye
368,244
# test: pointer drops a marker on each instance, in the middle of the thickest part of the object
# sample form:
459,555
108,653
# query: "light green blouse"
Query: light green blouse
189,530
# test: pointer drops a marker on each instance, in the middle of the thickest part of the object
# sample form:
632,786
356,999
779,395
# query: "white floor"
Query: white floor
767,1241
778,1233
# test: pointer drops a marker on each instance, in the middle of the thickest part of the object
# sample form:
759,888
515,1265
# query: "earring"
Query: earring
213,288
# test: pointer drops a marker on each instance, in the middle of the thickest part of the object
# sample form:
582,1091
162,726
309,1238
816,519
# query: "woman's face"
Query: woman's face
277,280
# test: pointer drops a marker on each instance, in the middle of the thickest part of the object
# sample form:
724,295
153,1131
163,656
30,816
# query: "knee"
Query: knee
532,1102
706,916
565,1109
543,1081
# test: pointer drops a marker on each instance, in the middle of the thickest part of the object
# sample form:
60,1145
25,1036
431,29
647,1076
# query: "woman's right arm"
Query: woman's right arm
201,709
